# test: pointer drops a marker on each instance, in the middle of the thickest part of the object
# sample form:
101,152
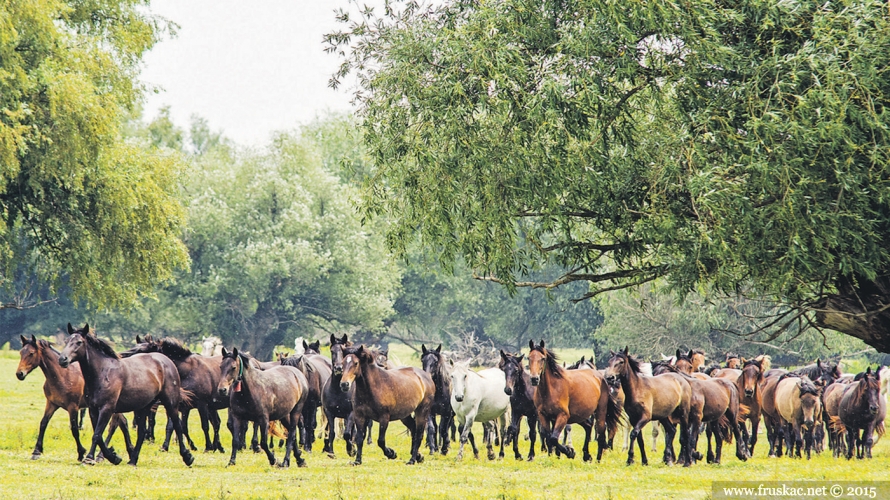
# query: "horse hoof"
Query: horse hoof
165,449
588,458
570,454
355,463
531,458
36,455
188,459
131,463
88,461
491,456
331,455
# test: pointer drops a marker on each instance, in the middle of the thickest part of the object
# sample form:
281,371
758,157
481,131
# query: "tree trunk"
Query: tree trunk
861,309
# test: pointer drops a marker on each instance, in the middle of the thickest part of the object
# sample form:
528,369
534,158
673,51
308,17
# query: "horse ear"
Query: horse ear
345,338
819,362
333,339
691,353
305,345
531,344
70,329
611,353
542,343
225,352
423,349
868,371
679,353
450,361
138,340
235,352
439,349
503,354
86,328
25,341
626,350
520,357
743,360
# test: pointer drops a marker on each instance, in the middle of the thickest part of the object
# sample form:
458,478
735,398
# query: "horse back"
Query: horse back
667,392
144,378
280,390
396,393
584,393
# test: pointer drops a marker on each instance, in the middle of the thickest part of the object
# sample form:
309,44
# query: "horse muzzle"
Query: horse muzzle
458,398
612,381
749,393
344,386
808,423
535,381
507,390
872,409
338,371
20,375
64,361
223,391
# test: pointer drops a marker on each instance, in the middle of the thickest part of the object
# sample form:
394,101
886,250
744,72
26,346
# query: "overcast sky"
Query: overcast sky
248,67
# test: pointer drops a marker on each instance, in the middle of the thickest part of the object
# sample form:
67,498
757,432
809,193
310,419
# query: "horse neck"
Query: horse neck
630,382
442,381
95,362
549,382
371,376
49,365
523,386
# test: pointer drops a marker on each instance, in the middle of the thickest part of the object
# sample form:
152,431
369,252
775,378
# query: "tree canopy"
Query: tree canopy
79,205
729,146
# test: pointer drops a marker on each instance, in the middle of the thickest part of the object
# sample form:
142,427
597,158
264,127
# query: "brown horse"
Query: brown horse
565,397
862,407
385,395
747,381
665,398
522,402
317,371
63,388
690,363
262,396
799,404
831,403
775,428
115,385
733,361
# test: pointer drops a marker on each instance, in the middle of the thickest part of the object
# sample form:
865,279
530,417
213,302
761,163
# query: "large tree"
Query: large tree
79,205
726,145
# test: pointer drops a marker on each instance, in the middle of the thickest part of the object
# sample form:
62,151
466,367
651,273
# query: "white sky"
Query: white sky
248,67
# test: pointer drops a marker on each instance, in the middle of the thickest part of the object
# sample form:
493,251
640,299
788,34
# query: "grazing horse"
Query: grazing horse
565,397
385,395
522,402
63,388
317,370
200,376
477,396
116,385
799,404
434,364
862,407
665,398
262,396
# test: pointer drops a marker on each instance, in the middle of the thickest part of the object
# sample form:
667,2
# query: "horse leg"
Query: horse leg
383,424
237,436
588,428
350,432
654,437
119,421
215,421
415,430
464,428
752,440
503,425
139,420
262,424
553,440
100,422
75,431
360,429
432,436
254,443
83,412
173,414
710,432
168,434
48,412
670,430
445,422
330,433
184,419
532,435
150,428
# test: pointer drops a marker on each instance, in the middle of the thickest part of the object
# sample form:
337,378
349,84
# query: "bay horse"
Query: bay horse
199,375
437,437
317,371
748,381
385,395
522,402
799,404
116,385
336,403
733,361
477,397
665,398
262,396
565,397
63,388
862,407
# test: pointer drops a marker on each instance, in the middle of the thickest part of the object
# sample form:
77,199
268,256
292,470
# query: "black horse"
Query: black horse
437,433
116,385
522,402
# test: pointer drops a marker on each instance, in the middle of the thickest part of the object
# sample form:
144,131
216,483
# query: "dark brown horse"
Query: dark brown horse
437,432
199,375
114,385
565,397
747,381
262,396
317,370
862,408
831,403
63,388
385,395
522,402
665,398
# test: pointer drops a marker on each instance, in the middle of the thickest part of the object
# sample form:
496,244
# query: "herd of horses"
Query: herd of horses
358,385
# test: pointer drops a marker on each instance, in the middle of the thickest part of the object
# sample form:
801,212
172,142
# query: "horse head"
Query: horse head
684,362
313,348
431,359
337,346
75,347
511,365
353,359
733,361
459,373
869,389
618,367
810,400
29,357
231,369
752,375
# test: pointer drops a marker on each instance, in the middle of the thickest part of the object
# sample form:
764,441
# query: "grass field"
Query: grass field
163,475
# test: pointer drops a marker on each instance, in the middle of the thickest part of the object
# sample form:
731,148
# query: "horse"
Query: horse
715,402
313,348
733,361
384,395
262,396
299,350
63,388
116,385
200,376
211,346
317,371
862,407
690,363
831,403
336,403
799,404
477,396
522,402
568,397
747,382
433,363
665,398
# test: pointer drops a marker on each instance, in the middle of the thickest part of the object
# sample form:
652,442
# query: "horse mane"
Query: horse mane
656,366
297,361
754,362
808,387
698,351
766,362
103,346
711,369
43,344
812,371
635,363
552,361
173,348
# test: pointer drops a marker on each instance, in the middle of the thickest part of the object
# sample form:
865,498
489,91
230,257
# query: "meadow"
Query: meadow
162,475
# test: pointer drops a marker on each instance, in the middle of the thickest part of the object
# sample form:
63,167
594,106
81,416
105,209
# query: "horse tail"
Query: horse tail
723,424
838,426
277,430
744,413
186,397
614,414
879,429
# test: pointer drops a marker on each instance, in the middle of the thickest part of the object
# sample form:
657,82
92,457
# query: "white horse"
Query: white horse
299,350
478,397
211,346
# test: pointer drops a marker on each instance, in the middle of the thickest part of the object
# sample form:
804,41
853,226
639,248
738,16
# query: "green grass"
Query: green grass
163,475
